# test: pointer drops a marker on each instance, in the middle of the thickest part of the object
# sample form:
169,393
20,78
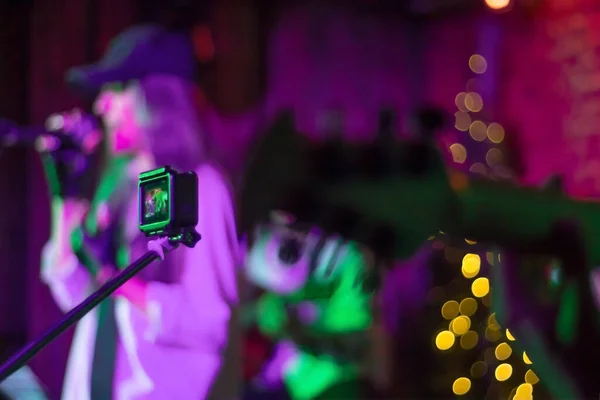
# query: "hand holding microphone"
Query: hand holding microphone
71,130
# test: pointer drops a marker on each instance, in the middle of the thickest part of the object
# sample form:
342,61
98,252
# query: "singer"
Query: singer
164,333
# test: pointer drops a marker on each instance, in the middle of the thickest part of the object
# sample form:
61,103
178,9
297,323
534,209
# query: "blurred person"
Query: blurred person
317,311
164,334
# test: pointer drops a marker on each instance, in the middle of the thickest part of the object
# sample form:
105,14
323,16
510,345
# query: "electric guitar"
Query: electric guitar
402,192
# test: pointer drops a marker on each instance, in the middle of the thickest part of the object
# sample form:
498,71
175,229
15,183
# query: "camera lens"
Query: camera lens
290,251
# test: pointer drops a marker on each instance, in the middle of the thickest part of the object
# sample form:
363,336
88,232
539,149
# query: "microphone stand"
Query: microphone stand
156,250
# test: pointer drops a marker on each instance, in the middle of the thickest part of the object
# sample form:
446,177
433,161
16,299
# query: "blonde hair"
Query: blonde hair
169,120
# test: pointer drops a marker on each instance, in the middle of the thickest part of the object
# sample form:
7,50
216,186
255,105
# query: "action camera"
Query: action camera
167,202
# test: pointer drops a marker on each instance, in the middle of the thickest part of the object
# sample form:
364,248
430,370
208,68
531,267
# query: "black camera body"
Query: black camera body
167,202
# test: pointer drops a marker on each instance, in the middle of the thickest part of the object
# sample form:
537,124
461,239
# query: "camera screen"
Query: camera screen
155,202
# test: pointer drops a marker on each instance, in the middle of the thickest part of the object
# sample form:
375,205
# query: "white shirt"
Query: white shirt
175,350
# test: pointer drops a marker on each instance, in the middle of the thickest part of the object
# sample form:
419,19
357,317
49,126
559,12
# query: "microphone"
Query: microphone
71,131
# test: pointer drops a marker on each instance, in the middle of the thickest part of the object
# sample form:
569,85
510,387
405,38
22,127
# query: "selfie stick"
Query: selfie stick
156,250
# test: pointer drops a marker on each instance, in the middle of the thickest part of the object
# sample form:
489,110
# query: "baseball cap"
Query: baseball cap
135,53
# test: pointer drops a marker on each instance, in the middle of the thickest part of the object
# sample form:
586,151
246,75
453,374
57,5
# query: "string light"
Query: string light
494,157
459,153
469,340
509,336
497,4
478,131
460,325
524,392
492,333
461,386
471,265
444,340
473,102
462,121
460,102
461,328
503,351
480,287
468,307
477,64
495,133
531,377
503,372
450,310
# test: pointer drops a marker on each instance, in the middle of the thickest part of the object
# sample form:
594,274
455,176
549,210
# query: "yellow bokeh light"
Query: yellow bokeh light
477,63
495,133
509,336
467,241
461,386
503,372
460,325
480,287
522,396
469,340
497,4
460,101
478,168
526,359
524,392
468,306
471,264
473,102
478,131
493,157
503,351
492,333
479,369
450,309
459,153
493,321
444,340
525,388
462,121
531,377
